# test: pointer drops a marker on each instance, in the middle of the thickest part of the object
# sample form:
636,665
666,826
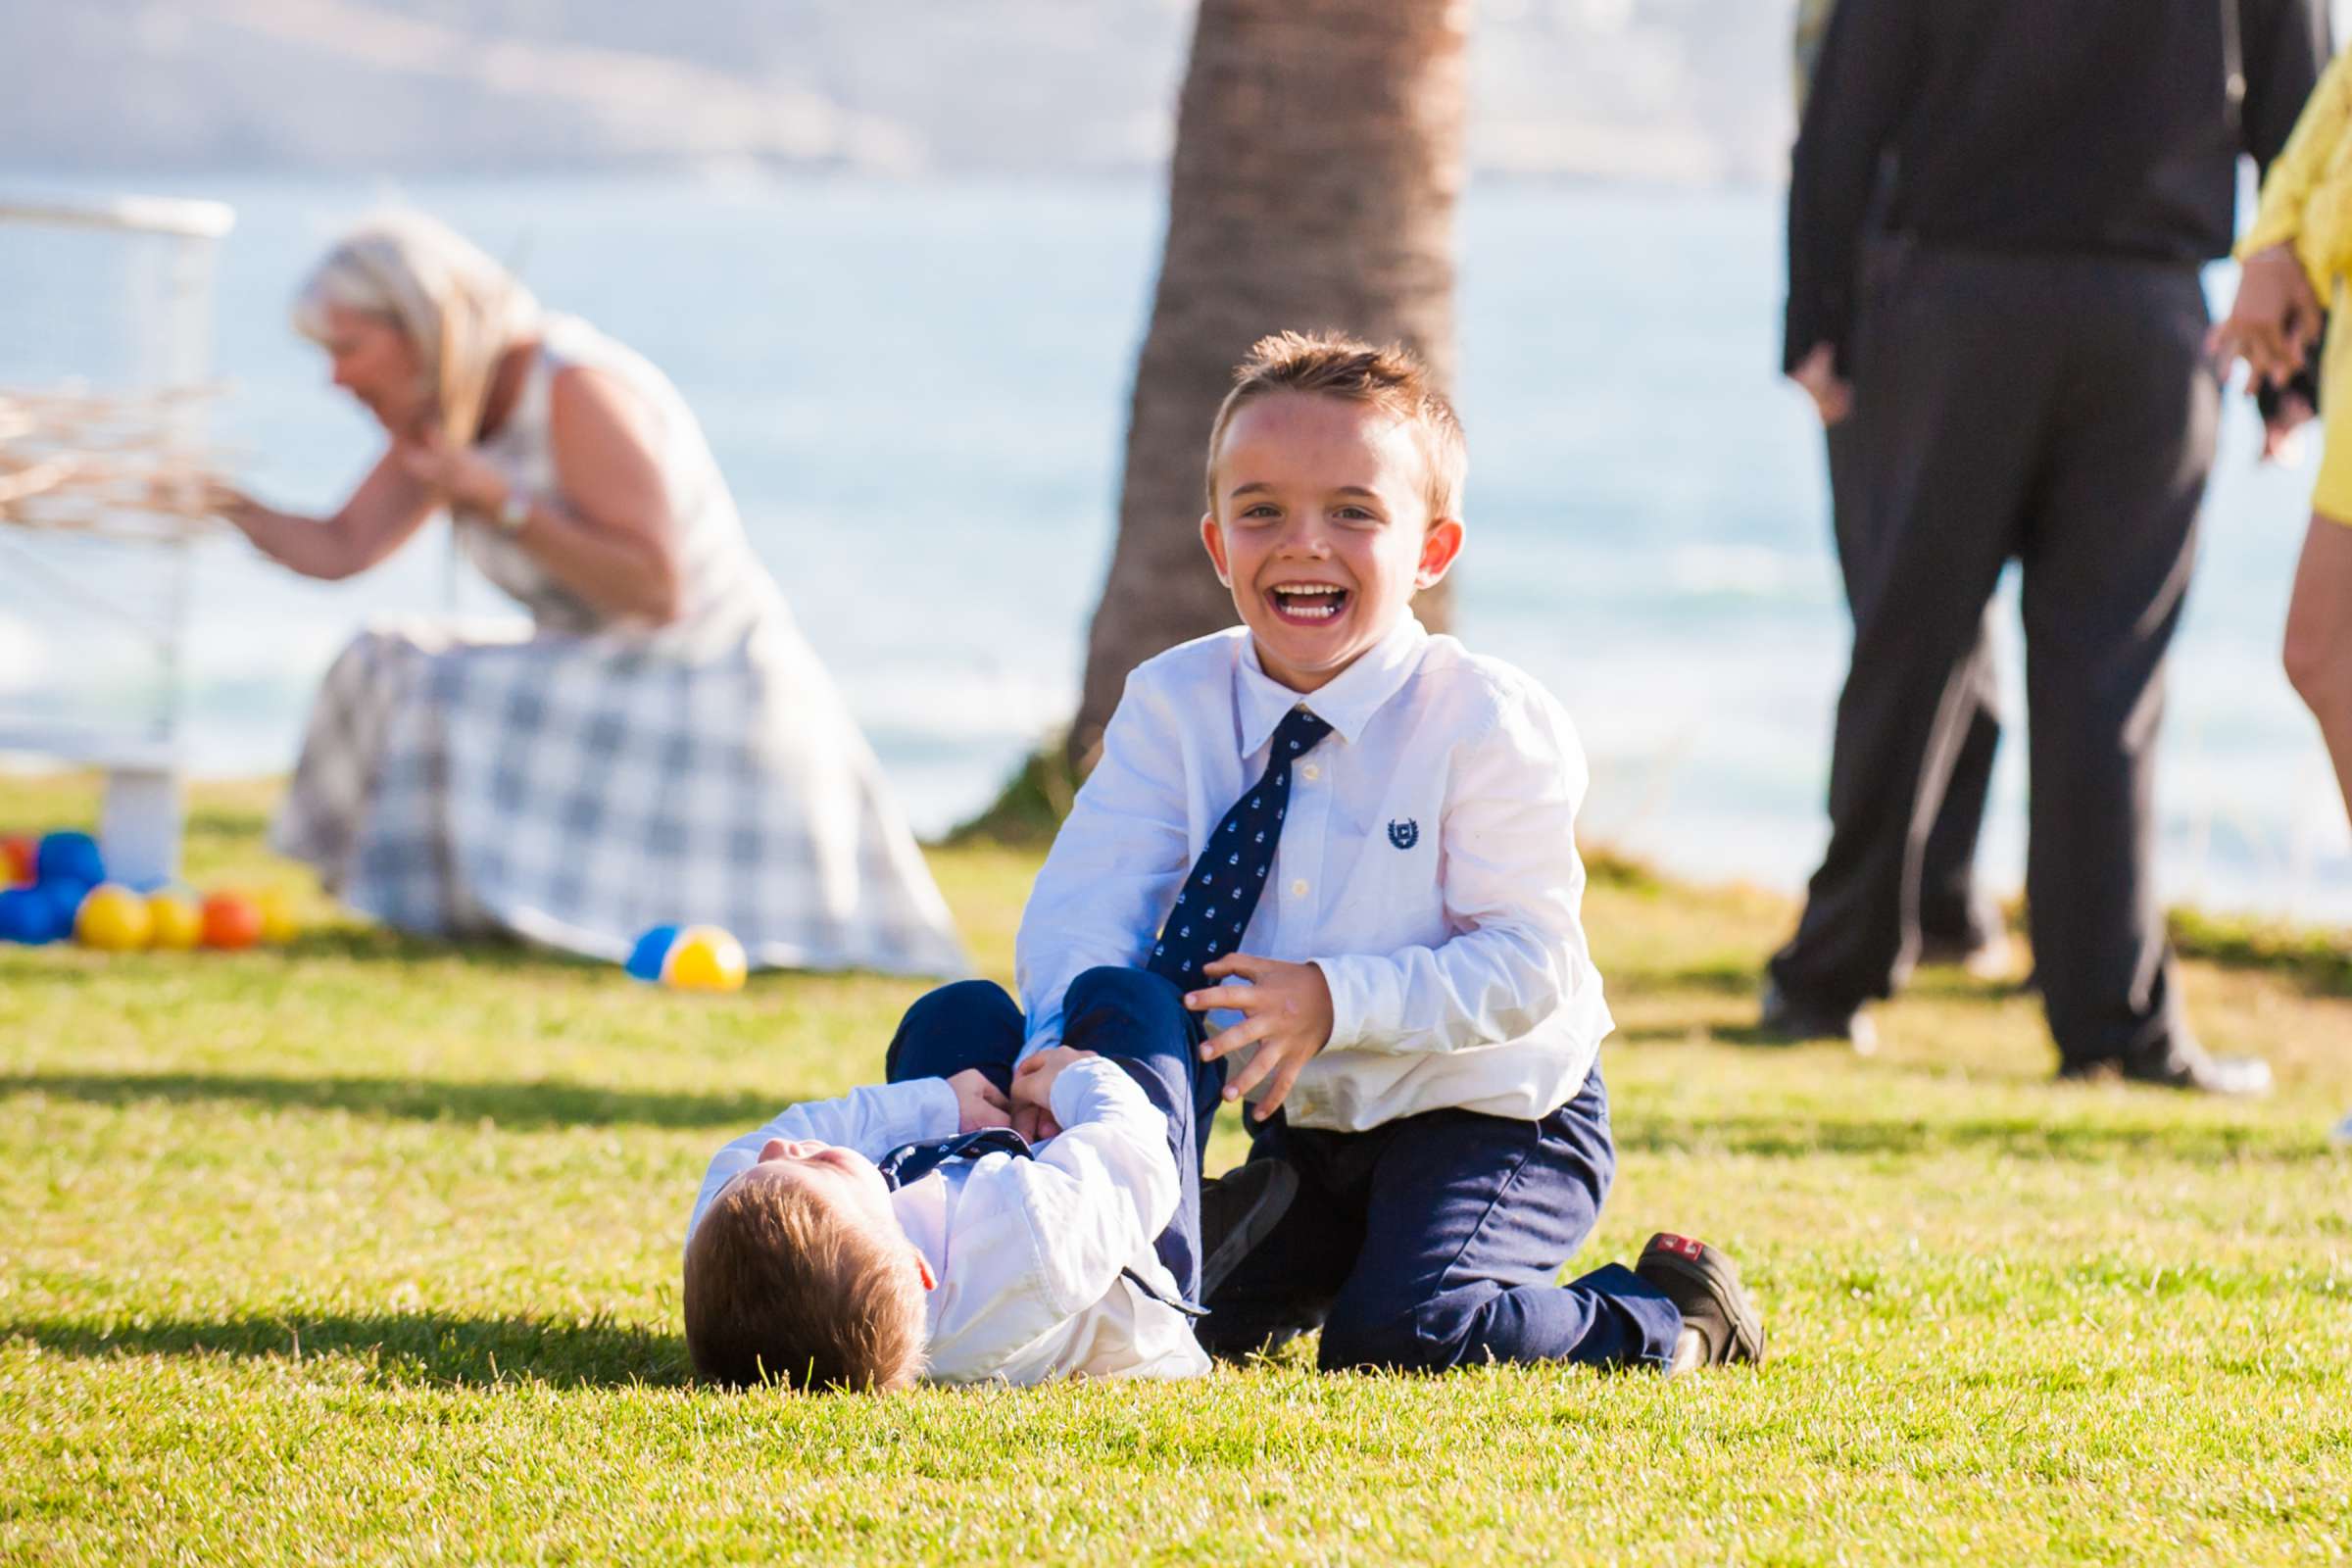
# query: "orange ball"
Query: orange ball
17,858
231,920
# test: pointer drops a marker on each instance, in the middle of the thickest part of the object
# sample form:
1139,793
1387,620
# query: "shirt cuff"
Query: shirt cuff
1086,1088
1351,1005
1044,1035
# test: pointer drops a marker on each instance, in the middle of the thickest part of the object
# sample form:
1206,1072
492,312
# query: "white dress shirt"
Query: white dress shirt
1426,864
1028,1254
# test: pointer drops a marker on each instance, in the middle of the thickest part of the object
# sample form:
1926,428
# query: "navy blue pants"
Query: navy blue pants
1129,1015
1433,1242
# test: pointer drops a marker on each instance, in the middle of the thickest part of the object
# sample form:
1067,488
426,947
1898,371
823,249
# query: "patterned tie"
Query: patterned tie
1222,893
911,1162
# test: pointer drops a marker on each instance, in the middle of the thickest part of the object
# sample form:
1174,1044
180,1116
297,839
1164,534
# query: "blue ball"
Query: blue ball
70,857
28,916
64,902
652,952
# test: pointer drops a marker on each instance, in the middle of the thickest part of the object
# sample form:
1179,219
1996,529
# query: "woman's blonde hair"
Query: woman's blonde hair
460,309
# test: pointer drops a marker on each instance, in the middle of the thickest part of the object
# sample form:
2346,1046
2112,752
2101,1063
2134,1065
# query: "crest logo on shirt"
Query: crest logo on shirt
1406,834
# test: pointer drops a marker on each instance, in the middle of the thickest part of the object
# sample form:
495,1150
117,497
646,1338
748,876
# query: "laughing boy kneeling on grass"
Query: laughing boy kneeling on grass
1328,847
1342,852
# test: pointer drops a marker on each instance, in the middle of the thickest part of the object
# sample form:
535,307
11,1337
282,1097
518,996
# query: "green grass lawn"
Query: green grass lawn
367,1249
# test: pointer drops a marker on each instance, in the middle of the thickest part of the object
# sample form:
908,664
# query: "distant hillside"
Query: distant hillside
1682,89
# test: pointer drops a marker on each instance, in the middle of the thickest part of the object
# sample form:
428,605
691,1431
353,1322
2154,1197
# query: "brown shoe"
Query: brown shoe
1720,1324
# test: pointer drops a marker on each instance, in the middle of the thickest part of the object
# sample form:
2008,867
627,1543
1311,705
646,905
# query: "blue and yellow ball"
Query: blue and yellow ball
695,957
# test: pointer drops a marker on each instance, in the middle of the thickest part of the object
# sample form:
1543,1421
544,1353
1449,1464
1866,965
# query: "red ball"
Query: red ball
17,858
231,920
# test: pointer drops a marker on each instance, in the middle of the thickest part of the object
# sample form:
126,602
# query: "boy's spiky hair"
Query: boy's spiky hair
781,1287
1389,377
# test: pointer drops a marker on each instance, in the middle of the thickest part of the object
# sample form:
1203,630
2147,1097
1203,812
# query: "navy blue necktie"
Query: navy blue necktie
1222,893
911,1162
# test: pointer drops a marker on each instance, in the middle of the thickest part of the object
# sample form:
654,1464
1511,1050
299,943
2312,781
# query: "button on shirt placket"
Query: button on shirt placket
1287,910
1299,858
1297,894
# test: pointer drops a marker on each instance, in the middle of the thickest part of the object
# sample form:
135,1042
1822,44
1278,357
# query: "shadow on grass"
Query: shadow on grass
510,1104
376,944
496,954
2057,1137
2318,961
1730,977
398,1347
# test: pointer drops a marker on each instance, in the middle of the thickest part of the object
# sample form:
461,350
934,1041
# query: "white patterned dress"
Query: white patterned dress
586,780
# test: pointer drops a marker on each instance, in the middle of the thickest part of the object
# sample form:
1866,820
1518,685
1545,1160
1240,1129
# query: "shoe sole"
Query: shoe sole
1256,1223
1715,1274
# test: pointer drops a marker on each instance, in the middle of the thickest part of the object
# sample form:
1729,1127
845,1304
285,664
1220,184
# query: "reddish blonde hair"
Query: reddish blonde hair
781,1287
1391,378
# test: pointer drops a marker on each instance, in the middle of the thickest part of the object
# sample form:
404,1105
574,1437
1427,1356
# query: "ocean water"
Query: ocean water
917,392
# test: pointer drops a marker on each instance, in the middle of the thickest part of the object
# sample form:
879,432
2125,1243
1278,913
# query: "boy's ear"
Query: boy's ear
1439,548
1212,539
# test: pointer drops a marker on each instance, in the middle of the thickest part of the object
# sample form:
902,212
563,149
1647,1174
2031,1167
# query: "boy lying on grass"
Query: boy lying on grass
906,1230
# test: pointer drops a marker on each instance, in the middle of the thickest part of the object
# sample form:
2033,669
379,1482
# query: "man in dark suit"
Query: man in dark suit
2020,370
1954,921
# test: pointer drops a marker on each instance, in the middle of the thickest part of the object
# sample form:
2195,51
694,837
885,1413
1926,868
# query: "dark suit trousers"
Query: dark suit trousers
2058,411
1949,911
1433,1242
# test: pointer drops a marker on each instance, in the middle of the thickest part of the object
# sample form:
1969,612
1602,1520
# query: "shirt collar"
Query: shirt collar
1347,703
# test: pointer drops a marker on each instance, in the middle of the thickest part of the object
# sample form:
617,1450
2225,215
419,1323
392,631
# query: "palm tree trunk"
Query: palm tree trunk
1318,163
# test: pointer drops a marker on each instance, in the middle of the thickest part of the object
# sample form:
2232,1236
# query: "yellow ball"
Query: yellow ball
175,920
112,919
706,959
278,924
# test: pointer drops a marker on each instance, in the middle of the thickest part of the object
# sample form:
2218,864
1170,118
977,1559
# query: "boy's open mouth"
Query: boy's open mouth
1307,603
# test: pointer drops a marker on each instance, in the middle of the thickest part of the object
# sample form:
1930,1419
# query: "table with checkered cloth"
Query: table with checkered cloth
576,784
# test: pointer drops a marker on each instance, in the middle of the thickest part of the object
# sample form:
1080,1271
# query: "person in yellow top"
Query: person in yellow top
2297,256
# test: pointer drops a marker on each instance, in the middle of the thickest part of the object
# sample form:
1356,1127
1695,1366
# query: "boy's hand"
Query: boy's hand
1033,1092
978,1102
1287,1014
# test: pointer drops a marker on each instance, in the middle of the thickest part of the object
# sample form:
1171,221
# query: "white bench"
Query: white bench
144,811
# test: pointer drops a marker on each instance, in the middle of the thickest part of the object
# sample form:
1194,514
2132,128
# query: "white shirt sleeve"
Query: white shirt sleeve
1115,867
1091,1201
872,1120
1513,887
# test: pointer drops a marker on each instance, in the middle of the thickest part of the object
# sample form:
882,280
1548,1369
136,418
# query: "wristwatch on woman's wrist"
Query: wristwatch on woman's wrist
513,512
